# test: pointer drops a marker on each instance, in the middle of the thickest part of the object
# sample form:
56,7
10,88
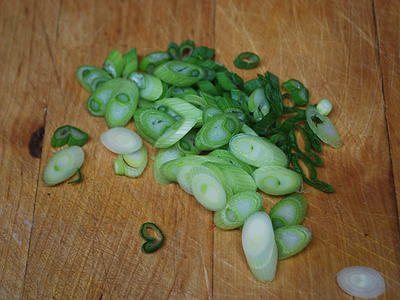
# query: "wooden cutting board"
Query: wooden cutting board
81,241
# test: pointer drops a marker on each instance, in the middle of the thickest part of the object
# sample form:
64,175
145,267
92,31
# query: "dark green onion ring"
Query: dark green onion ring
152,244
246,60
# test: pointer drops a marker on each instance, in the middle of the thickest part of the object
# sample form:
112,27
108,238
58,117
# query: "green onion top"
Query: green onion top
246,60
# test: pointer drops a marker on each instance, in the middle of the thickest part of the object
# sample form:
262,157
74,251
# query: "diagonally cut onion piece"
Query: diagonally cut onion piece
121,140
359,281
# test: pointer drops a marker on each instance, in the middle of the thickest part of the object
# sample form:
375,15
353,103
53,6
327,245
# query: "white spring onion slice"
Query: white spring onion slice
121,140
137,159
164,156
359,281
324,107
184,178
207,188
258,241
63,165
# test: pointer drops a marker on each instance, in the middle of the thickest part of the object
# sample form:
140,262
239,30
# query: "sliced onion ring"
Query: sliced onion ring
363,282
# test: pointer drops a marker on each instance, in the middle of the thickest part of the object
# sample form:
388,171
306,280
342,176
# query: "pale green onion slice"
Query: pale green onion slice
196,100
184,178
258,241
256,151
171,168
114,63
230,158
150,87
324,107
91,77
291,240
258,102
182,108
289,211
97,101
323,127
186,144
119,111
277,180
122,168
179,73
360,281
237,178
163,156
207,188
137,159
215,166
121,140
210,112
63,164
174,133
237,209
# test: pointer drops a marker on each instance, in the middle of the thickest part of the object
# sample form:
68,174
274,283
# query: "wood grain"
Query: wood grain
387,19
82,242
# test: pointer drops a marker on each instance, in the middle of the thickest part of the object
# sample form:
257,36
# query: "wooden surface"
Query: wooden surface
81,241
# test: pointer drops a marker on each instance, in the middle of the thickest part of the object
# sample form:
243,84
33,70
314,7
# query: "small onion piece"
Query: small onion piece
360,281
121,140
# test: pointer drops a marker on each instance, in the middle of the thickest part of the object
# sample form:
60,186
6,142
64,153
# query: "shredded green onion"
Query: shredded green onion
69,135
291,240
289,211
63,164
152,244
247,60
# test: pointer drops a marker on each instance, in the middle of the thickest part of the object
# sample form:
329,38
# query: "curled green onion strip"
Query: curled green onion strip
69,135
247,60
152,244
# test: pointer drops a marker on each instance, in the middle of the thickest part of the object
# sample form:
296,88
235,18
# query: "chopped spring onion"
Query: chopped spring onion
208,188
197,101
130,63
246,60
150,61
122,168
210,112
137,159
224,81
360,281
150,87
258,241
97,101
291,240
256,151
323,127
114,64
186,48
298,92
217,131
258,104
184,178
230,158
324,107
152,123
91,77
237,209
277,180
163,156
182,108
63,164
186,144
121,140
152,244
174,133
179,73
122,105
70,135
171,168
289,211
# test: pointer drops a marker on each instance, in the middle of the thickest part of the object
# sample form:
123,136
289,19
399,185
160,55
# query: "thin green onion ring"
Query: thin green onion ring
246,60
152,244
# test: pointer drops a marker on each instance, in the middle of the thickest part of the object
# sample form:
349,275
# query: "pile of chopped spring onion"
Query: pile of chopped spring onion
220,138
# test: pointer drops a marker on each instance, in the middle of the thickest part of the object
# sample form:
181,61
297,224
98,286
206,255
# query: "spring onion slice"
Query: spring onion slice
238,208
186,48
210,112
246,60
186,144
196,101
258,241
289,211
97,101
63,164
360,281
174,133
180,92
152,123
171,168
251,85
225,81
137,159
208,87
163,156
291,240
207,188
121,140
184,178
150,87
324,107
91,77
130,62
121,167
114,63
256,151
145,104
182,108
258,103
152,244
277,180
230,158
178,73
323,127
237,178
217,132
70,135
151,60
